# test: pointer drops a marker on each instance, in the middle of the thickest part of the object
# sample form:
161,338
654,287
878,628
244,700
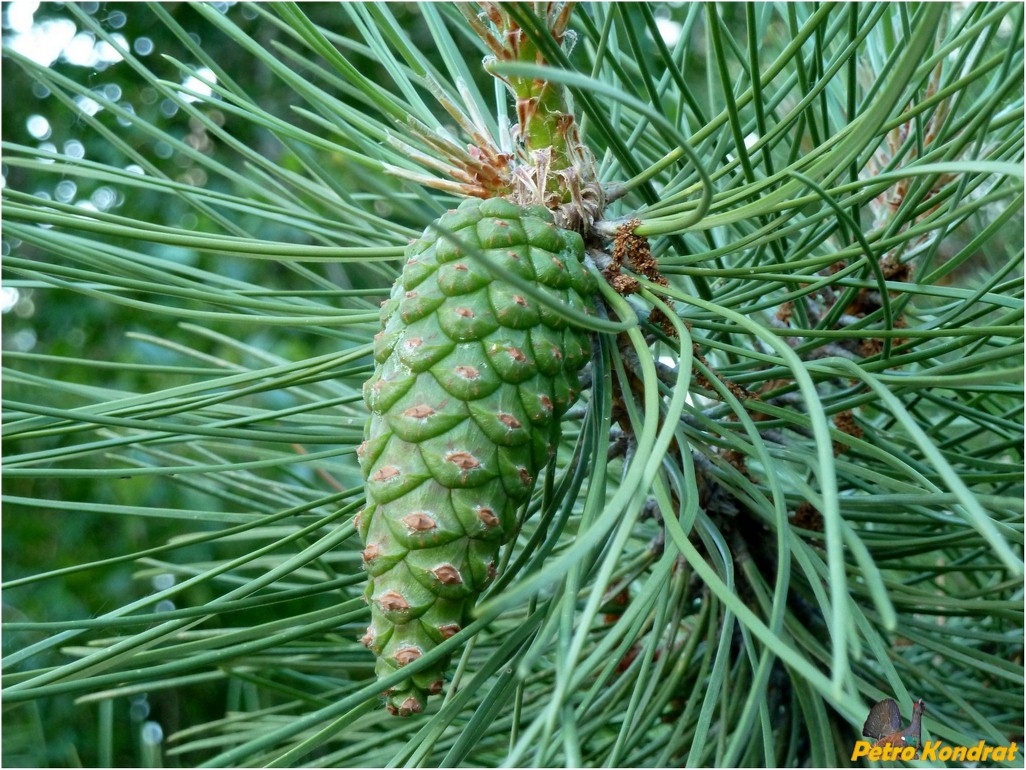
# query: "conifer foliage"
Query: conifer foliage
642,388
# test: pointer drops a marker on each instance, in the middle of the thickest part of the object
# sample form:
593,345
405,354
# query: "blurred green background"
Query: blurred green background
57,731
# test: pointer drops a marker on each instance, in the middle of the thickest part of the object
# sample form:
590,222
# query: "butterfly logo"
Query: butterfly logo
884,725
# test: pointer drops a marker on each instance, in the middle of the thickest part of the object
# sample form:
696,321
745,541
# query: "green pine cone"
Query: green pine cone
470,381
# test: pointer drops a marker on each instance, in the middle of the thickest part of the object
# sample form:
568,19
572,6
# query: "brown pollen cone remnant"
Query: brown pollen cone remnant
845,422
807,517
624,284
635,252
